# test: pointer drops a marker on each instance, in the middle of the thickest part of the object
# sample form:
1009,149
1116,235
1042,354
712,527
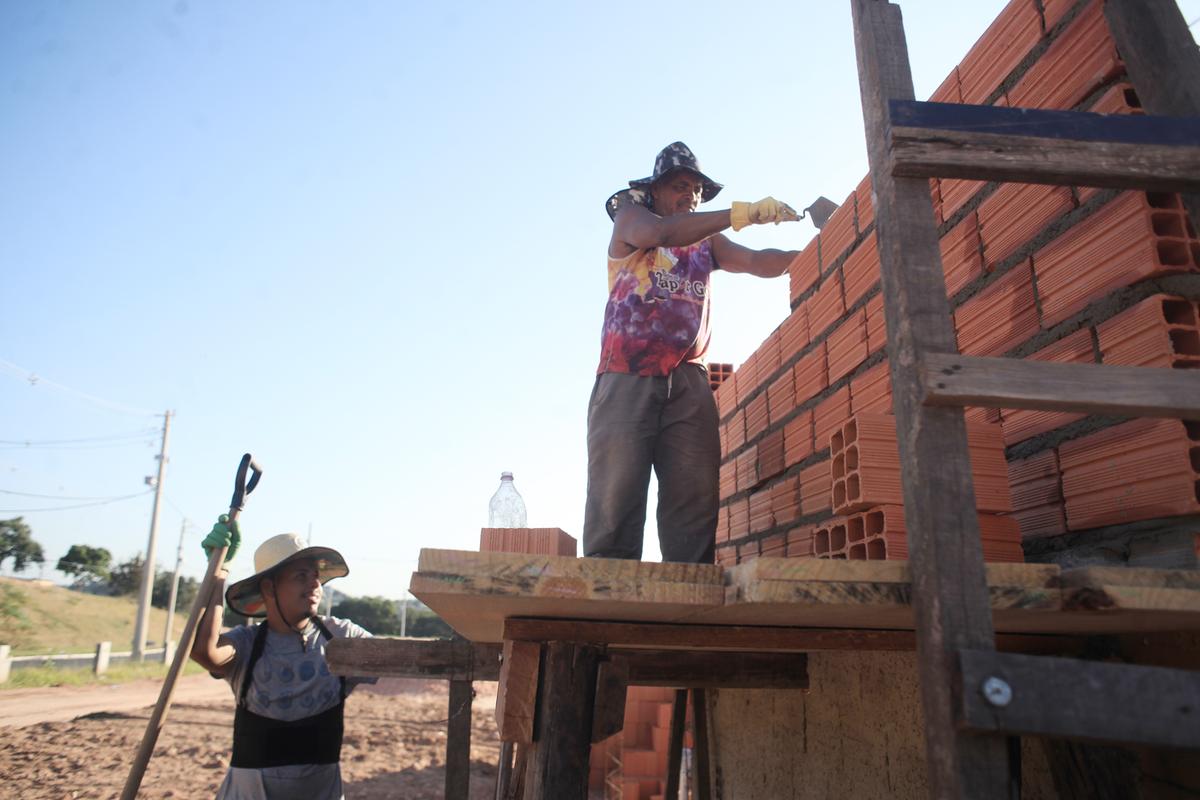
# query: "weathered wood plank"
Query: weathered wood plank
558,762
675,744
950,596
702,741
950,379
396,657
1161,58
516,696
1075,699
458,741
715,670
612,679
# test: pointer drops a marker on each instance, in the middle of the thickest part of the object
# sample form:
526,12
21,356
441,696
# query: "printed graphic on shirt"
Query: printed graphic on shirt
657,312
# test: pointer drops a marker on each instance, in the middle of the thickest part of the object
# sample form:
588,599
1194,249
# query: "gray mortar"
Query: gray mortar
1160,543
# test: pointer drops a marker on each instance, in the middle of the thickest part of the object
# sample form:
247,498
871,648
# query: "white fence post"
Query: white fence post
169,652
103,651
5,662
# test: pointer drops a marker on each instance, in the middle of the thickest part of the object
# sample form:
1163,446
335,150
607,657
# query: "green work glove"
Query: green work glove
224,534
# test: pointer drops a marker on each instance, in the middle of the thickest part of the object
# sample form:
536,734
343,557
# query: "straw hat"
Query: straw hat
244,596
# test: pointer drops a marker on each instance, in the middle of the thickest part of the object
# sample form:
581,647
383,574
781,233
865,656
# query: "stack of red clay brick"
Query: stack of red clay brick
635,760
1068,274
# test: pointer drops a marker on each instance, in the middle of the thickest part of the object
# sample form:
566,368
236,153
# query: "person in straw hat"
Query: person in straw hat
651,405
287,727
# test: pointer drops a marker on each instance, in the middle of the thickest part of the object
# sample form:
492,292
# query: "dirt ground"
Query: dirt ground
394,746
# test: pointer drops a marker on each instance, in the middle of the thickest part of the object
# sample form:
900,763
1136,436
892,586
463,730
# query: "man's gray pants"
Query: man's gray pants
670,424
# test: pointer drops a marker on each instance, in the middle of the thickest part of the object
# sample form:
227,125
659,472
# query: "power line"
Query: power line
94,446
52,496
139,435
35,380
80,505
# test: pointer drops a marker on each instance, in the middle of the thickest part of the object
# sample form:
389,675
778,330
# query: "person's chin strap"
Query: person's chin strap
293,627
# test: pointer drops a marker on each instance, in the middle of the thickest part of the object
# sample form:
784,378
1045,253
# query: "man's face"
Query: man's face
677,192
297,589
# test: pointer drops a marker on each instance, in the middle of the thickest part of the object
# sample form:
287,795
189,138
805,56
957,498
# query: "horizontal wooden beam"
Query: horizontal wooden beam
950,379
949,140
1075,699
395,657
714,670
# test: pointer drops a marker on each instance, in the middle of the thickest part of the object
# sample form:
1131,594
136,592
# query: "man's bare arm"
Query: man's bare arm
637,228
733,257
211,650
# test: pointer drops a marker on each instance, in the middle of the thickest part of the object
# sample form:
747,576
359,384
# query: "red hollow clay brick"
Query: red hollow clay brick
768,358
864,205
722,524
1000,317
997,53
793,334
785,500
955,192
1037,495
800,542
1082,58
739,519
726,556
829,538
756,416
747,551
1022,424
814,488
1015,213
545,541
798,438
1053,11
1119,98
811,374
781,397
761,516
1135,236
883,532
871,392
770,455
726,396
949,91
735,431
838,233
860,273
805,269
847,345
829,415
727,480
1160,331
747,468
876,325
746,378
1142,469
962,260
774,546
826,306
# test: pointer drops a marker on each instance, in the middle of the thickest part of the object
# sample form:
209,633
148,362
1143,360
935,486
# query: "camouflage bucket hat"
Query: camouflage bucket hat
672,157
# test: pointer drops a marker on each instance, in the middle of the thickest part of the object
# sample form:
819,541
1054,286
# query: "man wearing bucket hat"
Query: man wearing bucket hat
287,727
651,405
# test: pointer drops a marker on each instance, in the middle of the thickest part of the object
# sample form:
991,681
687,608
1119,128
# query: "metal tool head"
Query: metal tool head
820,211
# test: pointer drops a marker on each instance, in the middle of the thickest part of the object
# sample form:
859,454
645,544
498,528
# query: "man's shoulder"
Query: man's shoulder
344,628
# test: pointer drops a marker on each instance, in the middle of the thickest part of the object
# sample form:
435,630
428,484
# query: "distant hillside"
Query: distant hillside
37,618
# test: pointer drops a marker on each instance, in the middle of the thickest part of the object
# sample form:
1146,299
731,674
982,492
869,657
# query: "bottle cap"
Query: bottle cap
506,476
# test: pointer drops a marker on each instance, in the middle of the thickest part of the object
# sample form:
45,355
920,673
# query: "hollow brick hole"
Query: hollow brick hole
841,555
850,431
837,537
821,541
1163,200
839,493
1185,343
874,523
1179,312
876,550
837,442
1131,98
858,552
1167,225
853,491
1194,453
1175,254
839,466
854,528
851,458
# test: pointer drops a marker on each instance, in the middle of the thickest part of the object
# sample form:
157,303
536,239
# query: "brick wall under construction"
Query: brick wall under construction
1071,274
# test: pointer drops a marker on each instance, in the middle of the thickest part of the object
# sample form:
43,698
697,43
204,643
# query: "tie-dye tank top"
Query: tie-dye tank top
657,312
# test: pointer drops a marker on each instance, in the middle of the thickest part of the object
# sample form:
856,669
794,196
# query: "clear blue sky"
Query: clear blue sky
365,241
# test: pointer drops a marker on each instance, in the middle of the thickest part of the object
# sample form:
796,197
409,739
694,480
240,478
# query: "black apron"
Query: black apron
260,741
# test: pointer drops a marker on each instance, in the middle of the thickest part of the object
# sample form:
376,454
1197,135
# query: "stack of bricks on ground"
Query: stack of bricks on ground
1069,274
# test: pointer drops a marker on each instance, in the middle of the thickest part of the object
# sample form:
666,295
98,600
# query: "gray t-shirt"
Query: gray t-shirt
291,681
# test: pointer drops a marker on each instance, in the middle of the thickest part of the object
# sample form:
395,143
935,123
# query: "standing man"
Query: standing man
287,728
651,405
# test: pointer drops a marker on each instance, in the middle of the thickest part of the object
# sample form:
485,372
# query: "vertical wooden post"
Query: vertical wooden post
950,598
675,743
458,742
703,767
1162,60
100,661
562,737
504,770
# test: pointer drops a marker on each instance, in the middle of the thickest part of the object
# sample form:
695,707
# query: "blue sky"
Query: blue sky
365,241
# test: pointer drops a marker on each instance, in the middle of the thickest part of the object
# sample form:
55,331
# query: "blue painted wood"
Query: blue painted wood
1071,125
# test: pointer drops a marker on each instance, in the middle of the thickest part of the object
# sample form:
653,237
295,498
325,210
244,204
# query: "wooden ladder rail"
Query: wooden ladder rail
966,687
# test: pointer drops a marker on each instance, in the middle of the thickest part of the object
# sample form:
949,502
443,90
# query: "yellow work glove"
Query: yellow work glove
766,210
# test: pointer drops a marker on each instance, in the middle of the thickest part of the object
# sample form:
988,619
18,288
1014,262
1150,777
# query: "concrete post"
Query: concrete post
5,662
169,651
100,664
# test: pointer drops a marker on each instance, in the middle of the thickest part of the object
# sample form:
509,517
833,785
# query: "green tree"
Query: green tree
16,542
376,614
126,578
188,589
427,623
86,564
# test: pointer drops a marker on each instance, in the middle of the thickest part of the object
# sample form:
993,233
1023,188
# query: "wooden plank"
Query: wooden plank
702,741
504,771
517,584
950,595
396,657
458,741
558,762
675,744
1036,146
1161,58
612,679
516,696
950,379
1084,700
1168,595
715,670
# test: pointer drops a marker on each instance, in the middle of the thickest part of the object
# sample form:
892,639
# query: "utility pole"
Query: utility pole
168,636
147,587
404,615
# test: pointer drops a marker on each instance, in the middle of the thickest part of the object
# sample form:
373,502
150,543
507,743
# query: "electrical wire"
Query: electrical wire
35,380
80,505
138,435
51,496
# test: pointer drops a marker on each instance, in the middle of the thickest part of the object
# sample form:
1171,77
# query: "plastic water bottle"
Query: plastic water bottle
507,509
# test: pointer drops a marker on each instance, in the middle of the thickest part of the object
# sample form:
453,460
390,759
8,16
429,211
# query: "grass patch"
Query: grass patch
34,677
